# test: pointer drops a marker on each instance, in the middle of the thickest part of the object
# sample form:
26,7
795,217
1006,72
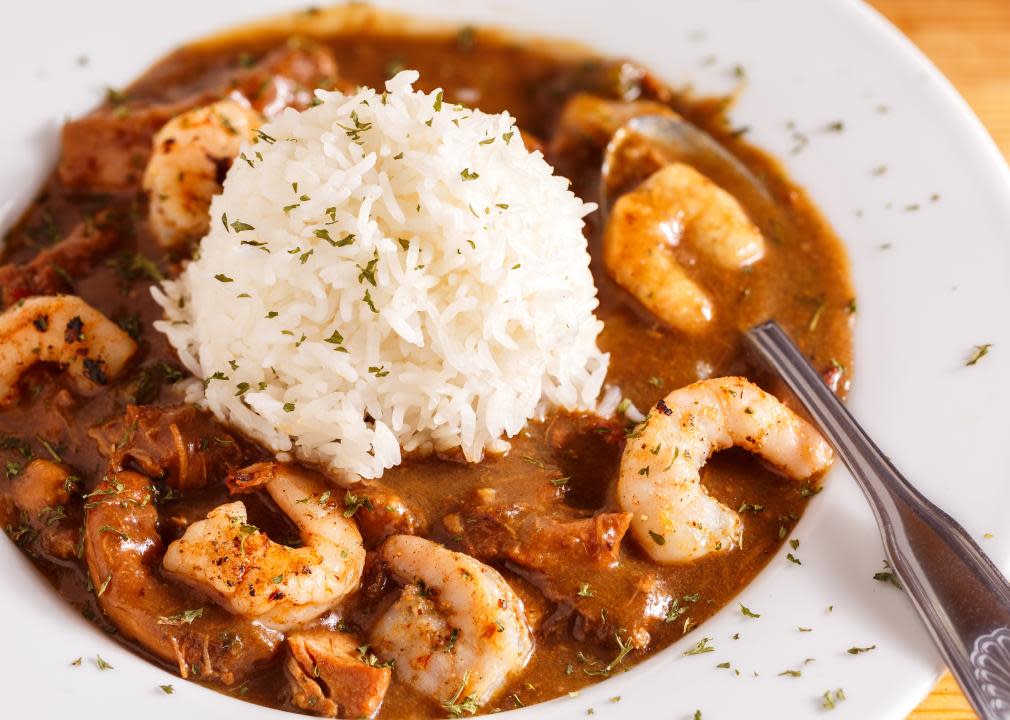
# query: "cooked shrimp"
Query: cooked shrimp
190,157
676,203
121,547
709,217
457,631
61,329
645,267
675,519
252,576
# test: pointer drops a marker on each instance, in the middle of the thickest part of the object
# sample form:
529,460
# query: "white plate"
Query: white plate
943,286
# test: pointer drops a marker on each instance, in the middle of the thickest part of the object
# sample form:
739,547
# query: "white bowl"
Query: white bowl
942,286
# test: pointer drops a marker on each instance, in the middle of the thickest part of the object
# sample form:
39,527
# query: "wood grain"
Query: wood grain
969,40
946,702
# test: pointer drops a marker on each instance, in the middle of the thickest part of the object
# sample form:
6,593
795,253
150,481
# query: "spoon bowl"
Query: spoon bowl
654,140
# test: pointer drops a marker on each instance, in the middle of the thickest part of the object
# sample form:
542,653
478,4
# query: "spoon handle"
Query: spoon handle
961,596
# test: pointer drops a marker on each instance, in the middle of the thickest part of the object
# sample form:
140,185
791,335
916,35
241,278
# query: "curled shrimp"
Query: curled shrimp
674,518
190,157
122,545
677,204
256,578
457,631
61,329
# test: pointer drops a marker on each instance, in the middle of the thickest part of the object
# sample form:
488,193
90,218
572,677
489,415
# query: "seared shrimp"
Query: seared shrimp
675,519
62,329
457,631
122,546
190,157
676,203
256,578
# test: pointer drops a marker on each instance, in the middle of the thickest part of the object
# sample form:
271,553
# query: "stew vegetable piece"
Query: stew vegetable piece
98,476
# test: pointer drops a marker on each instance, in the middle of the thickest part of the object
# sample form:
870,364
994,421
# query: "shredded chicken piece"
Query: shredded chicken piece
109,148
73,256
332,675
182,444
538,542
573,562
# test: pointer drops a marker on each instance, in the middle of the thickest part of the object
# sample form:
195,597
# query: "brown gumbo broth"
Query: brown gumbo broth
563,469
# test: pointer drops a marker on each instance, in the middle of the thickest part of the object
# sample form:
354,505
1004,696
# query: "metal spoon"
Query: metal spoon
677,140
960,595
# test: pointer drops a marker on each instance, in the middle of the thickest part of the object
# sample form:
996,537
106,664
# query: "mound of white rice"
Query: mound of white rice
388,271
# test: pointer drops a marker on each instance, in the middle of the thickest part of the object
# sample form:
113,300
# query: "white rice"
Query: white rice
451,301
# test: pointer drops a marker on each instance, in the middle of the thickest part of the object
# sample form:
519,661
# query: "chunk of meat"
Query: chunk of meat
567,432
572,562
37,507
602,611
288,77
108,149
534,541
379,512
123,550
74,255
616,79
587,122
183,445
331,676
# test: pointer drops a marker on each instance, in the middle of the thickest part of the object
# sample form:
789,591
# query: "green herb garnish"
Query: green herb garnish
186,617
979,352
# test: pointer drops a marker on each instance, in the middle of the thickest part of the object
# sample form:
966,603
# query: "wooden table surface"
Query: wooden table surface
969,40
